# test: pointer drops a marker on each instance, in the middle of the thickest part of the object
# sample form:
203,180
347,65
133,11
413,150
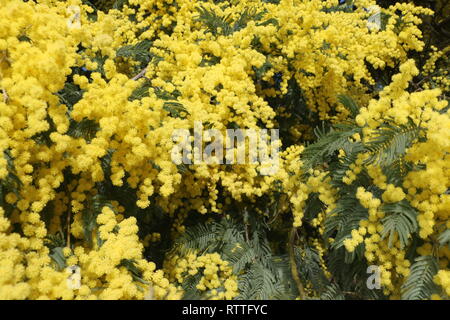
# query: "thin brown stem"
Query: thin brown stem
293,263
140,74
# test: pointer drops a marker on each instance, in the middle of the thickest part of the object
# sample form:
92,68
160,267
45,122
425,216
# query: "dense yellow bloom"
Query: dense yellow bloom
225,79
216,274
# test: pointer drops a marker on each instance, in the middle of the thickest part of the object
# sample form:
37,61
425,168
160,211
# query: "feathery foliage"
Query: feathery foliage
419,284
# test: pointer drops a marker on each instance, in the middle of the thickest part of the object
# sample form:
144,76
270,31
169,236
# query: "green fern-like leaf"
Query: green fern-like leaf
350,276
338,169
390,142
176,109
310,267
134,270
140,92
397,170
400,220
259,283
198,237
327,144
213,22
249,14
349,104
139,52
332,292
57,256
444,238
419,285
240,256
189,287
55,240
11,183
225,26
161,94
70,94
86,129
343,219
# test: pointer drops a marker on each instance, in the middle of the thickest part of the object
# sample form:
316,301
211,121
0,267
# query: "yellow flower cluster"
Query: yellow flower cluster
354,170
437,77
442,278
297,192
27,270
217,280
424,188
221,77
151,237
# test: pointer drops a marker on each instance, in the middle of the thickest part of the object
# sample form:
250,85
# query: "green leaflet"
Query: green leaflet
400,220
419,285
